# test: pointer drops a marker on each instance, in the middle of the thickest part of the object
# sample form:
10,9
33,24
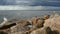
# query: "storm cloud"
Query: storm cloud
31,2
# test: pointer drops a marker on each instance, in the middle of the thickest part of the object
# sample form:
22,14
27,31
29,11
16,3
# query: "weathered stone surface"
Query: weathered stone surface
46,17
54,15
36,25
22,27
8,24
33,20
18,28
53,23
44,30
2,32
37,22
22,21
5,31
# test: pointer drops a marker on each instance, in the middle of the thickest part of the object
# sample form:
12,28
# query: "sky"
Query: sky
30,3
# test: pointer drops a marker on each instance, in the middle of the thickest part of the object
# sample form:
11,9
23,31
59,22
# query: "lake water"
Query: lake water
23,13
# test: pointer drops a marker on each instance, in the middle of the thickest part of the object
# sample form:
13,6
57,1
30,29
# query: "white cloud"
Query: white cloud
29,8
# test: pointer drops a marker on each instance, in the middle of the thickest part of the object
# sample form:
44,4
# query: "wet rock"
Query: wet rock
7,26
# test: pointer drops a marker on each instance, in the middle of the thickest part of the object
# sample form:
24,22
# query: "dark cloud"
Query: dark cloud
31,2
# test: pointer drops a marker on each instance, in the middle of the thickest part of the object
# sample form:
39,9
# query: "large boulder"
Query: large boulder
44,30
8,24
53,23
46,17
37,22
11,21
22,27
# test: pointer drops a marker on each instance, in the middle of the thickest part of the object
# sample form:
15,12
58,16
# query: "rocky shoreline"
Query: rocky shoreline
48,24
